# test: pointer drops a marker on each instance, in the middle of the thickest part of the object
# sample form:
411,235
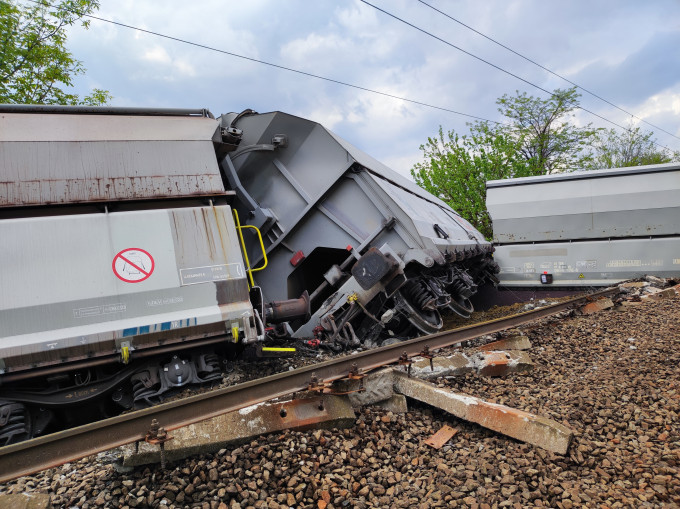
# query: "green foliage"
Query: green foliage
456,169
35,66
547,137
633,147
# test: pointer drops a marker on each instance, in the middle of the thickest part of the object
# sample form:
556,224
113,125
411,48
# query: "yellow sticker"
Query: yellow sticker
581,276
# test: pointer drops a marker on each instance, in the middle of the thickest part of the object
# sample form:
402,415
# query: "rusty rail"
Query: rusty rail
53,450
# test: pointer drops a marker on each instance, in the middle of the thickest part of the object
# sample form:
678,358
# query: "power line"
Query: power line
545,68
394,16
455,47
277,66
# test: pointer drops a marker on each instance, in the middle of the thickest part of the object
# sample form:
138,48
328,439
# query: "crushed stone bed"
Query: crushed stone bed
613,377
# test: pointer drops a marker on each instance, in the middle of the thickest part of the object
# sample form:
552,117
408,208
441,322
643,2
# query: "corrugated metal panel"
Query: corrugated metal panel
47,159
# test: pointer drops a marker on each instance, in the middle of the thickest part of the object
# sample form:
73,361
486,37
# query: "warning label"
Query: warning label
133,265
195,275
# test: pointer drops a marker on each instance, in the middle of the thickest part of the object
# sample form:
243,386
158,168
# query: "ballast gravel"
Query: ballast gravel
613,377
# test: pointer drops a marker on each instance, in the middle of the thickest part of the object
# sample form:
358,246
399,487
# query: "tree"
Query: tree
547,138
456,169
632,147
539,139
35,66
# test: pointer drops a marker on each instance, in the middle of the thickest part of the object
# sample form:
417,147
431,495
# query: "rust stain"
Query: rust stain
495,364
299,414
510,343
209,234
93,189
176,227
224,235
598,305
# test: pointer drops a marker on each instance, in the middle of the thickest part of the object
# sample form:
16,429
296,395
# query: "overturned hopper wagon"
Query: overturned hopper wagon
587,229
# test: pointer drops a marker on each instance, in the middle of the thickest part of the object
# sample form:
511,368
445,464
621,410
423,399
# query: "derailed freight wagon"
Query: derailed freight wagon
322,204
132,243
588,228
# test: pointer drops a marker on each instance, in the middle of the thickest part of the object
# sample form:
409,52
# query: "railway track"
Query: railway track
52,450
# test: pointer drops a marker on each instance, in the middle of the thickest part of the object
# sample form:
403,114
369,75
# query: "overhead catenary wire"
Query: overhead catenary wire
430,34
545,68
271,64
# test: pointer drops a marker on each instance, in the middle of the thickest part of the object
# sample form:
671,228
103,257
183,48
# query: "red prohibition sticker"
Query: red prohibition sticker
133,265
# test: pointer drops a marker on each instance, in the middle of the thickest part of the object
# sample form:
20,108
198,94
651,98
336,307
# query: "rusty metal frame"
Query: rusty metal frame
52,450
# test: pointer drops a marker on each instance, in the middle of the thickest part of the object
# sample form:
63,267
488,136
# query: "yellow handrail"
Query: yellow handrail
264,253
240,227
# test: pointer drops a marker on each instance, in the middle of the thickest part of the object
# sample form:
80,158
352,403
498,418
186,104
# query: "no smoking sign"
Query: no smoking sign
133,265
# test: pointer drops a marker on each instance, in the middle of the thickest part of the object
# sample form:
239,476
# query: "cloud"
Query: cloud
665,102
164,66
648,71
157,54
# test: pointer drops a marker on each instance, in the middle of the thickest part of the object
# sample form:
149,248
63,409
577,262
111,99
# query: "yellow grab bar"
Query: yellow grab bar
240,227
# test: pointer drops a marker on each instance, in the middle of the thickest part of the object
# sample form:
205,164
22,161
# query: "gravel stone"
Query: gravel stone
622,404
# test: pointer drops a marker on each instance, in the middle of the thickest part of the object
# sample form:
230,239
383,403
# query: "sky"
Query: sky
625,51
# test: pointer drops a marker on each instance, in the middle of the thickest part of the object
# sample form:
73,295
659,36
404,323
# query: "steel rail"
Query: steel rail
53,450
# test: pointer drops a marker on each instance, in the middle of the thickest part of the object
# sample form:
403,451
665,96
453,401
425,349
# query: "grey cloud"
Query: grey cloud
652,69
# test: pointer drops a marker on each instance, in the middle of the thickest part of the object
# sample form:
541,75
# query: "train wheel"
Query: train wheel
15,423
462,307
427,321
